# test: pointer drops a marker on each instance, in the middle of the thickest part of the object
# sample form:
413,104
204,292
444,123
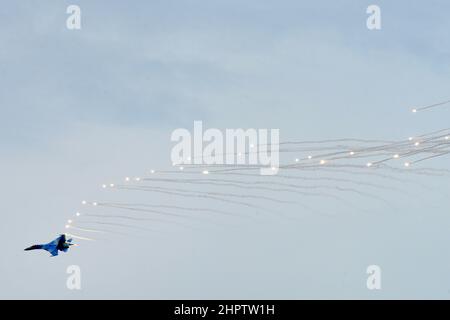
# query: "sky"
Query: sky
81,107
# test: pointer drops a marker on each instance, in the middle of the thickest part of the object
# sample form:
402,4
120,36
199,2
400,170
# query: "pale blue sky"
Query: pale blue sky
81,107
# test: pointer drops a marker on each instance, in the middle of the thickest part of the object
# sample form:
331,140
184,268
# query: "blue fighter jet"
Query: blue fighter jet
59,244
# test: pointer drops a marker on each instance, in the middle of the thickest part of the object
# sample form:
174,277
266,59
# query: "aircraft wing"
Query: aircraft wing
55,242
52,248
54,252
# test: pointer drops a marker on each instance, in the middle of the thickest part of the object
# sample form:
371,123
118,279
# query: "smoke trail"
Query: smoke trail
195,209
87,230
115,224
99,231
104,204
431,106
110,216
431,157
79,237
130,208
217,194
289,190
196,195
189,193
250,183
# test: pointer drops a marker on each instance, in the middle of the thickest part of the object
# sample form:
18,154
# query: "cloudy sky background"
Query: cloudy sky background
79,108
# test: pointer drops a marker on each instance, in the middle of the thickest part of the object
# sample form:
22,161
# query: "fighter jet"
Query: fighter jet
59,244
